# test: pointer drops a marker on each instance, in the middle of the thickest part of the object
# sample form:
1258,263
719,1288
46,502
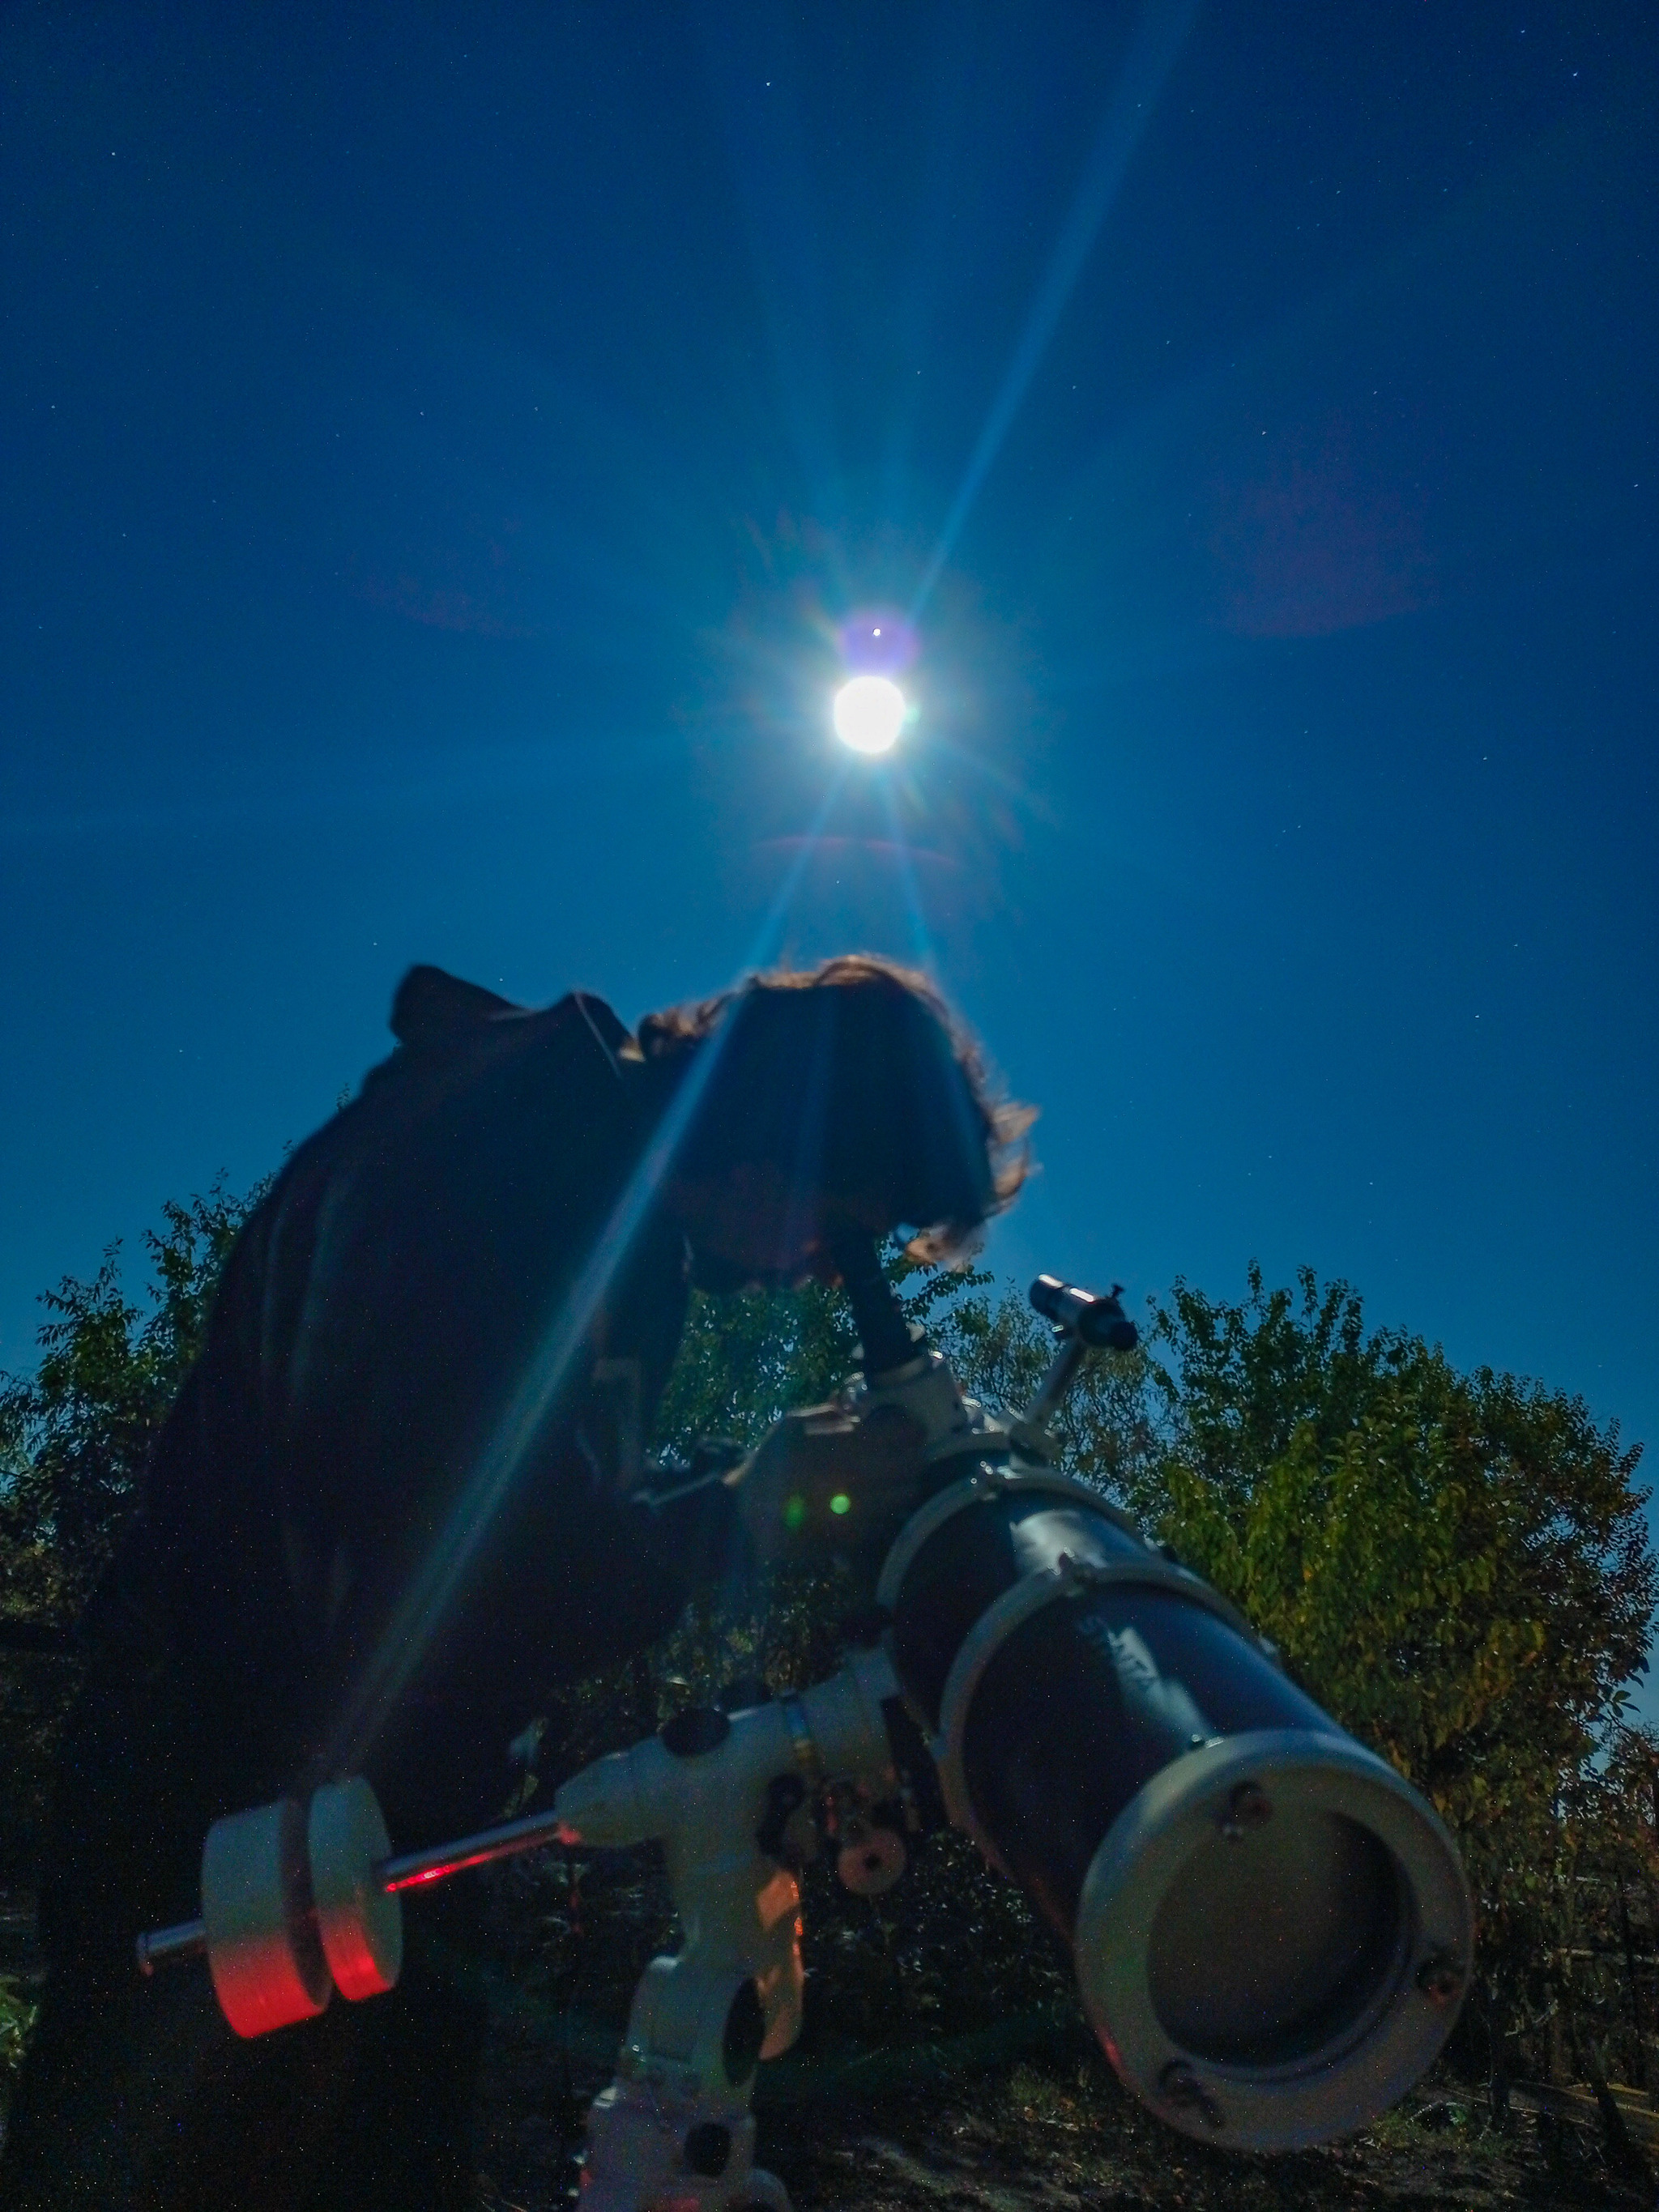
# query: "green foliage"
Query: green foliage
74,1435
746,1360
1106,1429
953,1945
74,1438
17,2013
1456,1566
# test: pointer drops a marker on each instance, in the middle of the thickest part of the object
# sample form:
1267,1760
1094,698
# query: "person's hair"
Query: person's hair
857,1083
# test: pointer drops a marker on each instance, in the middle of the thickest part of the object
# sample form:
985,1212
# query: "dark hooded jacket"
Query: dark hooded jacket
397,1498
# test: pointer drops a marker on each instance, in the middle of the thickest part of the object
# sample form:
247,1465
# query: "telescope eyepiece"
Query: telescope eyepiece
883,1333
1097,1321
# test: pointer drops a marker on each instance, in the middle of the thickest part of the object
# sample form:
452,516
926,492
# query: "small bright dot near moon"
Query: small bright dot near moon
869,713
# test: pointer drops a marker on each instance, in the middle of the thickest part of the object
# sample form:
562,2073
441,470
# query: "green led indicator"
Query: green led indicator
841,1502
794,1512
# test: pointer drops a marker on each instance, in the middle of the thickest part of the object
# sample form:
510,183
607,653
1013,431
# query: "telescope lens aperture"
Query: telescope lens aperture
1277,1940
1273,1972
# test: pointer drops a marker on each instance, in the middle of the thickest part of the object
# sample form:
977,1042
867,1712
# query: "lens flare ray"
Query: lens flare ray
1157,41
432,1591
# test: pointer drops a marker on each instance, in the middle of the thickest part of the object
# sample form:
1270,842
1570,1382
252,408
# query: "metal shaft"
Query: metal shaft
163,1944
412,1870
439,1861
1055,1383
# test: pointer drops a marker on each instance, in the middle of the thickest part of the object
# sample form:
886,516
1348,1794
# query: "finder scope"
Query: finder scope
1100,1323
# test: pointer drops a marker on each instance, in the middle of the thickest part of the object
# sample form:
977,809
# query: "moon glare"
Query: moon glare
870,713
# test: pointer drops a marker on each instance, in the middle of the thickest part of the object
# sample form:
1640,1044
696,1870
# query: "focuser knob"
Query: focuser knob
871,1859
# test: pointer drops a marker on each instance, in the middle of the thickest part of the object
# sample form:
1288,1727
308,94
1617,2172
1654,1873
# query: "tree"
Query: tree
1456,1567
1106,1430
76,1434
744,1360
74,1439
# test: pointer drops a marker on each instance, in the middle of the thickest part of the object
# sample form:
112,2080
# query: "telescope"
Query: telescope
1270,1928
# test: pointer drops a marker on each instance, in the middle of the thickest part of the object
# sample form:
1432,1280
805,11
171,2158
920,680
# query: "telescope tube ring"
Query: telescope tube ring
1044,1586
985,1483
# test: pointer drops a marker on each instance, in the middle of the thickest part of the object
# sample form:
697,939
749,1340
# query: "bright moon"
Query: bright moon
869,713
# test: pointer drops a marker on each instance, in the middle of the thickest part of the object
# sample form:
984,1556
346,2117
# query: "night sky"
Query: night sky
442,446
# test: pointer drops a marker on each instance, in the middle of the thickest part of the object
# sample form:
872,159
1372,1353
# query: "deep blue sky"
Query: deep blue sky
439,443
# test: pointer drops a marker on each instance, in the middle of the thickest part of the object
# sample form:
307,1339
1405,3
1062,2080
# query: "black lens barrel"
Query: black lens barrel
1089,1698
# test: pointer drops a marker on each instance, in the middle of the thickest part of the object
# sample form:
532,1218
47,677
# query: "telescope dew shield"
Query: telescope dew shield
1271,1930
